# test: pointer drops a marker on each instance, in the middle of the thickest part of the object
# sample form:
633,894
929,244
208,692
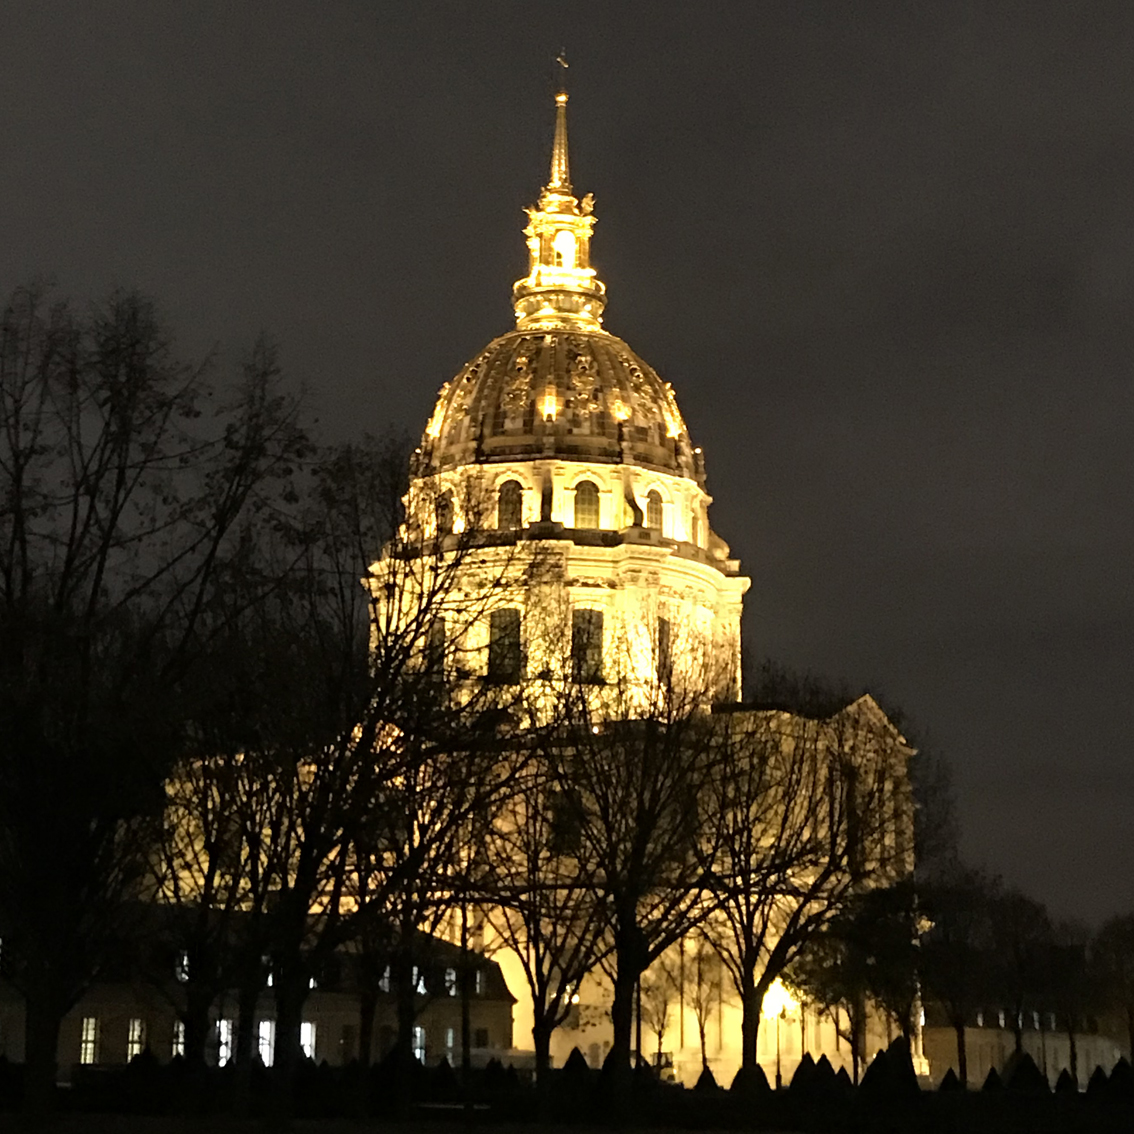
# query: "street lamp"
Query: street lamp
778,1002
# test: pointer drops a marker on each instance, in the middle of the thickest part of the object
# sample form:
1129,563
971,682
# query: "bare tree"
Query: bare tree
958,951
659,989
1112,960
811,811
125,482
704,990
637,790
545,902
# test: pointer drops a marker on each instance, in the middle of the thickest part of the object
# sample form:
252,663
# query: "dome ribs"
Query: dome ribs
571,393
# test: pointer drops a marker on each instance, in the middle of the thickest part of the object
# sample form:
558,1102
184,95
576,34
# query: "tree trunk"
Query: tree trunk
198,1009
541,1038
401,972
41,1046
962,1053
291,992
246,1041
367,1007
622,1018
752,1002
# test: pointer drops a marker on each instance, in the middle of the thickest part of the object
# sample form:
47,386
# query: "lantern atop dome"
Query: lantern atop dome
561,288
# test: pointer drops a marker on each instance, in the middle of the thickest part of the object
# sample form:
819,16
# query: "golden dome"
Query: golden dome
559,385
568,393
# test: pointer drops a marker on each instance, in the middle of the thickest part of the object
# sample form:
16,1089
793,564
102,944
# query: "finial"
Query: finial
560,171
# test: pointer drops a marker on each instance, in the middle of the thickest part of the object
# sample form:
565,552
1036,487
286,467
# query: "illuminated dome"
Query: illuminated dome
571,392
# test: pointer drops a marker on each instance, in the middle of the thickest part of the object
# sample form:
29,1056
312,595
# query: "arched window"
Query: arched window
510,506
445,513
564,249
586,505
653,510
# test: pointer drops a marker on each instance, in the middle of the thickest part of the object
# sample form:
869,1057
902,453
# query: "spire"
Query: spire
560,170
561,287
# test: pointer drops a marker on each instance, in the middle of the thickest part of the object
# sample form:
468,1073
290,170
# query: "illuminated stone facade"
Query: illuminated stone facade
561,445
567,458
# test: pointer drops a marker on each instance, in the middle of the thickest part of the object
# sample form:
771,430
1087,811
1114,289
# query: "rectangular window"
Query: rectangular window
451,982
178,1039
348,1043
665,651
307,1038
505,658
480,1037
419,1043
418,980
478,986
88,1041
384,980
135,1038
225,1033
435,649
586,646
450,1043
181,969
266,1041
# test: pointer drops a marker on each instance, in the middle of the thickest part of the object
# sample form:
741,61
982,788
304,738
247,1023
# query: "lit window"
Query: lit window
312,984
1035,1021
1051,1020
586,646
266,1041
307,1038
654,511
135,1038
419,1043
451,982
478,986
586,505
178,1039
181,969
384,979
224,1041
980,1019
505,658
510,506
88,1042
450,1042
1000,1014
564,247
418,981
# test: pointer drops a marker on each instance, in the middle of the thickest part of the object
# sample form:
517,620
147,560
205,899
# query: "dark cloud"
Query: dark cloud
884,253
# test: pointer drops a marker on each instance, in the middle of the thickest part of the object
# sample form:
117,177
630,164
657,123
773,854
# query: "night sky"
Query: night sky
884,252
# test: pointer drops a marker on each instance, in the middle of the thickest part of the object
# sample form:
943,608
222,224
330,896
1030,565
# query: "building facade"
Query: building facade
558,464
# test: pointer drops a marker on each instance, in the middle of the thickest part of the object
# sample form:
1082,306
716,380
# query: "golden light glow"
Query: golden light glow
564,245
550,406
620,411
778,1001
